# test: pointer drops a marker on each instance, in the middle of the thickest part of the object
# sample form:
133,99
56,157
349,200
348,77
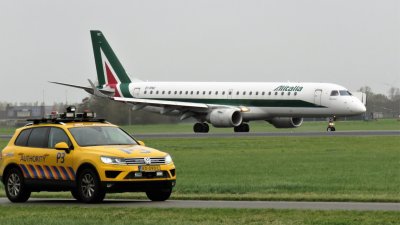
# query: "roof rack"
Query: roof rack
69,116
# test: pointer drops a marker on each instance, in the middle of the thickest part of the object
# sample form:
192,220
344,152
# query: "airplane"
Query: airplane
221,104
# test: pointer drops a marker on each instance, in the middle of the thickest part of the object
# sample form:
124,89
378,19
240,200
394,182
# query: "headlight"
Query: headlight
113,160
168,159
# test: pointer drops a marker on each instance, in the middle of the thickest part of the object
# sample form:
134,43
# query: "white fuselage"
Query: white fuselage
262,101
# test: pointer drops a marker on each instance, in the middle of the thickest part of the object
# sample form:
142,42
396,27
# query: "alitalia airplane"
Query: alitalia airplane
221,104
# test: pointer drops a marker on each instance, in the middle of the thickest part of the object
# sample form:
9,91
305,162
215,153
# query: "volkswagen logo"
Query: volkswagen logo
147,160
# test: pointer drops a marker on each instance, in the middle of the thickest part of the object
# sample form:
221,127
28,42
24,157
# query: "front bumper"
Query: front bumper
139,186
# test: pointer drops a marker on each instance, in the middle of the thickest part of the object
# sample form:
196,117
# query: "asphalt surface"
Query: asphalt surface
357,206
261,134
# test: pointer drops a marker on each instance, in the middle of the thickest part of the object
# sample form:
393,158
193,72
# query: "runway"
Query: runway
261,134
269,134
357,206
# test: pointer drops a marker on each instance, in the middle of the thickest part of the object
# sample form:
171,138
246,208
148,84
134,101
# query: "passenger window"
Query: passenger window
269,93
250,93
216,93
198,92
209,92
175,92
295,93
257,93
22,138
151,92
157,92
180,92
186,92
57,135
244,93
334,93
204,92
163,92
276,93
191,93
237,93
38,137
145,92
223,93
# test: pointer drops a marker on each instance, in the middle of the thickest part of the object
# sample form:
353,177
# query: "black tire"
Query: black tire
158,196
201,128
333,129
206,128
89,187
75,194
15,187
244,127
329,129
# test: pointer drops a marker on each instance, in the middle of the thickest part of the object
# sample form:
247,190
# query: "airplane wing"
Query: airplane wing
87,89
154,102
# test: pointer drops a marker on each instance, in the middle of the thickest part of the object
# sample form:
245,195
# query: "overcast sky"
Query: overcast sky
349,42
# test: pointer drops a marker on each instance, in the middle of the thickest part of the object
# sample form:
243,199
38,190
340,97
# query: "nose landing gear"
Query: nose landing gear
331,125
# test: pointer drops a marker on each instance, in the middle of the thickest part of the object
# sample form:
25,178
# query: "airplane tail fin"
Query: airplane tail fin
109,69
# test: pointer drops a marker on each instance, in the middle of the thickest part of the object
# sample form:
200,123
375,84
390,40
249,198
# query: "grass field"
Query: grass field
257,126
284,168
16,215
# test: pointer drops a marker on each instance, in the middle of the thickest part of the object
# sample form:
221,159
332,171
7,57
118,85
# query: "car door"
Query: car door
59,165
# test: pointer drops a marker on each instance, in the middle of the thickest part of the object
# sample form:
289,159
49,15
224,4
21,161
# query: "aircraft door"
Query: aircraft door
318,96
136,92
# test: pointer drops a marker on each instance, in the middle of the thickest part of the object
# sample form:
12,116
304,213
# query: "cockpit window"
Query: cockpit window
345,93
334,93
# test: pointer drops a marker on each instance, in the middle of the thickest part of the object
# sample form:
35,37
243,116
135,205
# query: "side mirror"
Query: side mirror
62,146
141,143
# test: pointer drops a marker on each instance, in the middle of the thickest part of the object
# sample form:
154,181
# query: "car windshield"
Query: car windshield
101,135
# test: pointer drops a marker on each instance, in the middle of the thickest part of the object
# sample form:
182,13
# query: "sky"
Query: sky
353,43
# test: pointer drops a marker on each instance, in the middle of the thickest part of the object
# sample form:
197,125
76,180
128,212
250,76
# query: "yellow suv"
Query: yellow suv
89,157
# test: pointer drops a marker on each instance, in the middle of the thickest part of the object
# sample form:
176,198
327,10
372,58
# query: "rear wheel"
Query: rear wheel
158,196
89,187
15,187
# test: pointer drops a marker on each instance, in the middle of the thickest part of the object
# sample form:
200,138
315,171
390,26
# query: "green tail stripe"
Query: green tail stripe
99,43
125,90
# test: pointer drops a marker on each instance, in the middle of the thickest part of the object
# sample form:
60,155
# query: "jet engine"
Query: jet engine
286,122
225,117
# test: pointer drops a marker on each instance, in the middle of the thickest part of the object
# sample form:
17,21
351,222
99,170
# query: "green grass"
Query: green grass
257,126
16,215
284,168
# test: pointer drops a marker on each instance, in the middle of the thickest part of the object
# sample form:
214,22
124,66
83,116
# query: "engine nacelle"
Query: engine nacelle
286,122
225,117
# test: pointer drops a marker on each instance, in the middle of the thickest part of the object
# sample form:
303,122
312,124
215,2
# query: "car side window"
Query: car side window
57,135
22,138
38,137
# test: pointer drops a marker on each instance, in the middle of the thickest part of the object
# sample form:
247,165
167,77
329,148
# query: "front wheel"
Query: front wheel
89,188
16,190
159,196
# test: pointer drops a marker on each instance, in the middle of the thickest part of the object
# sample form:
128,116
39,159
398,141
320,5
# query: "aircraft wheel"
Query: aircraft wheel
244,127
201,128
330,129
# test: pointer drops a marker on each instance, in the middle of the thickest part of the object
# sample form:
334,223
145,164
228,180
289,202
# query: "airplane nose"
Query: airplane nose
359,108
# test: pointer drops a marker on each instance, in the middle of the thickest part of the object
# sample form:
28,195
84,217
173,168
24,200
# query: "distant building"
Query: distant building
24,112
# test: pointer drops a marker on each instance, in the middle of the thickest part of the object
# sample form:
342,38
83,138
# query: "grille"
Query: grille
140,161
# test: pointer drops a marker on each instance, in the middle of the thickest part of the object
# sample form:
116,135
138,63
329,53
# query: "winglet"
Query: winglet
96,91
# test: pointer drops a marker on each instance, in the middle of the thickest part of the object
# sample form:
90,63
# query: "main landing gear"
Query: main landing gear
201,128
244,127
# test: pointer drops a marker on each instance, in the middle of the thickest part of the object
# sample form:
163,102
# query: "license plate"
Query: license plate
149,168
